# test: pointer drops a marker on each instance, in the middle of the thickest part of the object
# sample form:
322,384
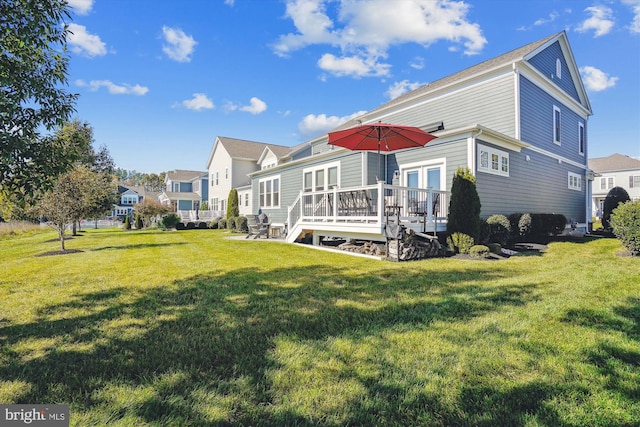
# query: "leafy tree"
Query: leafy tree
62,204
625,221
615,196
149,208
464,206
33,97
233,208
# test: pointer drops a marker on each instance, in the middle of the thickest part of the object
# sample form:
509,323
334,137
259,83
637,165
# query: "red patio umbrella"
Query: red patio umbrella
380,137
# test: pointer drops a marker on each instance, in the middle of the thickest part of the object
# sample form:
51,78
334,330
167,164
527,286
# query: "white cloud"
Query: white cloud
417,63
81,7
398,88
596,80
83,43
198,102
552,17
179,46
314,125
114,89
601,21
256,106
634,27
353,66
364,30
229,2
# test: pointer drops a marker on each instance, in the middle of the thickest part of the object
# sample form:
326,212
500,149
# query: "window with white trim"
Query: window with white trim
269,191
246,199
581,139
215,204
556,125
634,181
321,178
607,182
574,181
492,160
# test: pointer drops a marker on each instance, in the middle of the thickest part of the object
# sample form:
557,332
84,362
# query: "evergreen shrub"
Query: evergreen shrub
460,243
479,251
615,196
169,221
241,224
499,229
625,221
464,205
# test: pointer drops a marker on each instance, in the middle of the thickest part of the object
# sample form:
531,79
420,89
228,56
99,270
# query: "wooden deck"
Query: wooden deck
364,212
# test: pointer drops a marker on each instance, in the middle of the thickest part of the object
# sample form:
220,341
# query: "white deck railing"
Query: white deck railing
367,209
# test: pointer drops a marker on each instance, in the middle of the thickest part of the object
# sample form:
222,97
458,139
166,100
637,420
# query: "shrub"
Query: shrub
214,224
169,221
495,248
625,221
460,243
615,196
202,225
191,225
138,222
499,229
181,226
241,224
479,251
222,223
231,223
233,208
464,205
127,223
536,227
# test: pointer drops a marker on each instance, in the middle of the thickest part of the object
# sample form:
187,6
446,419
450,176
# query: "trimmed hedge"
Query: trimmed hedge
460,243
625,221
479,251
537,227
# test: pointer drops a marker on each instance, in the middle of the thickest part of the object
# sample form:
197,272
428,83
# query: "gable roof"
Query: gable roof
517,55
614,162
242,149
184,175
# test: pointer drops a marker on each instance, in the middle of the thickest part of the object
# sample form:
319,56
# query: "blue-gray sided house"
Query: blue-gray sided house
185,190
517,121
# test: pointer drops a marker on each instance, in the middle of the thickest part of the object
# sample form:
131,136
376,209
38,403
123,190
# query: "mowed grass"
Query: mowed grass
191,328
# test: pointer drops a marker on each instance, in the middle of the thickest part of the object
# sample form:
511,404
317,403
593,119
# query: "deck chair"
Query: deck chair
258,225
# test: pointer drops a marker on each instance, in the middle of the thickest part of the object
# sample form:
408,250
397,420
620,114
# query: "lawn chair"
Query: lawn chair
258,225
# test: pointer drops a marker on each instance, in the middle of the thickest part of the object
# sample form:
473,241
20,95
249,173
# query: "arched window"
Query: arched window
558,68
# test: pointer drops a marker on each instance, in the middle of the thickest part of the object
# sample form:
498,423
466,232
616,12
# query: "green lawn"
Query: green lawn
191,328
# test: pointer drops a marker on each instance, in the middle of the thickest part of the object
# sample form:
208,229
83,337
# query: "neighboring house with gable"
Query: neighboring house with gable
517,121
130,195
184,190
230,163
616,170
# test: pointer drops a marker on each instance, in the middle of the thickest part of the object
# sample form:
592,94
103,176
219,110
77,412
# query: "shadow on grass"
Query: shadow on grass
171,355
618,364
138,246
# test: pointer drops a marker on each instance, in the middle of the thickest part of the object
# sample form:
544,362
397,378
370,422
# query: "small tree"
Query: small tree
149,208
615,196
139,224
127,223
464,207
233,208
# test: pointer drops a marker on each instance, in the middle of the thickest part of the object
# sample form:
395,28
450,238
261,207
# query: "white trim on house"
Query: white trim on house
266,197
574,181
557,125
493,161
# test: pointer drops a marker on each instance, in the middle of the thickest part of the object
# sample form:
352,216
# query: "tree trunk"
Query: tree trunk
61,234
74,233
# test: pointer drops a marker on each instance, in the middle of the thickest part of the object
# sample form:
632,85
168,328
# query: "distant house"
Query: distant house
230,164
615,170
130,195
184,190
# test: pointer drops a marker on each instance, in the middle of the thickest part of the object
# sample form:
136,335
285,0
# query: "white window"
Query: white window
558,68
269,189
575,181
607,182
581,140
217,180
556,125
634,181
321,178
246,199
176,187
492,160
212,177
215,204
226,173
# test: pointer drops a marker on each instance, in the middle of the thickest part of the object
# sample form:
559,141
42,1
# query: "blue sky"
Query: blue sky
160,79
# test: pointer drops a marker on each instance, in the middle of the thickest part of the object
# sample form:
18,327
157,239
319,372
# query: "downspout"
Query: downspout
472,153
